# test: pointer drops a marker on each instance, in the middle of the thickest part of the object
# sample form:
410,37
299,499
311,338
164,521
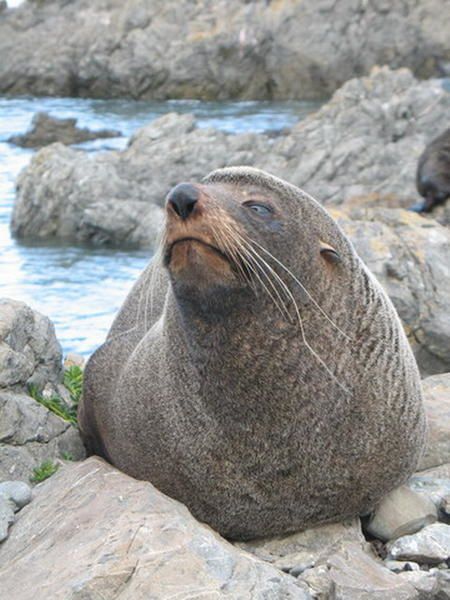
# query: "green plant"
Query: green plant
73,381
56,404
67,456
44,471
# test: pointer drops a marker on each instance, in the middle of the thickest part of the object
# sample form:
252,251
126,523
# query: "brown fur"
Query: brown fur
259,423
433,173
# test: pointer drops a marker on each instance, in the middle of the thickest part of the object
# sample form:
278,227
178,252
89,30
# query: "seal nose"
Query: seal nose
183,199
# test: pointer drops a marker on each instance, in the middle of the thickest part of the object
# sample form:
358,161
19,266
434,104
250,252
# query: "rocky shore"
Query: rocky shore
264,49
89,531
357,155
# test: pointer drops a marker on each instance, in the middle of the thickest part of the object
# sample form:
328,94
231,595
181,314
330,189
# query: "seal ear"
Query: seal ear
330,254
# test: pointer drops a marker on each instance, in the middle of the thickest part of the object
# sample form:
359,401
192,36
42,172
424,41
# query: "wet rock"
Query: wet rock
353,574
150,545
437,404
30,434
29,350
46,130
401,512
216,50
430,546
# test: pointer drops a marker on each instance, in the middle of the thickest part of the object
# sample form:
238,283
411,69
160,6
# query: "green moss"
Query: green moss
44,471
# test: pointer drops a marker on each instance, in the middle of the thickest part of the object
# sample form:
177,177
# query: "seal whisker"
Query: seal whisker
316,304
244,257
302,329
251,263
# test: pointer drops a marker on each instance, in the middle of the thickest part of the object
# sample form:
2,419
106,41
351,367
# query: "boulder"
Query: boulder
214,50
30,354
46,130
363,145
401,512
125,538
437,405
430,545
30,434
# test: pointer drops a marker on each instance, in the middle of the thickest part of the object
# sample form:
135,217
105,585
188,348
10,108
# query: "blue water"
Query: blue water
81,288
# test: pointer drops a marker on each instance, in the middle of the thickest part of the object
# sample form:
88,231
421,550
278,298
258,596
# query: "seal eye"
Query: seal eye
329,253
261,209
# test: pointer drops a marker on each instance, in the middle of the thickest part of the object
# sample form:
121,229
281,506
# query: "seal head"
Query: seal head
433,173
257,371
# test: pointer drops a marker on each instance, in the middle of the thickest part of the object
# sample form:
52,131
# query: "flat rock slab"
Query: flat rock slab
93,532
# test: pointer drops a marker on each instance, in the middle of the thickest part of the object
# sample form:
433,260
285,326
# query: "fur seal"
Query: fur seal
256,372
433,173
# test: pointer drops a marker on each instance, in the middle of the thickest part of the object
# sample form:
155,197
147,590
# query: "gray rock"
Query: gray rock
353,574
306,547
6,516
220,49
401,512
425,583
150,546
443,578
365,142
47,130
29,350
431,545
433,483
445,505
30,434
16,491
397,566
350,149
437,403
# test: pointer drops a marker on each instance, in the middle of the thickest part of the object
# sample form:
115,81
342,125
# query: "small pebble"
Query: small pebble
17,491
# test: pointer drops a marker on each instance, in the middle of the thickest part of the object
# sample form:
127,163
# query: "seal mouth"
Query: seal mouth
168,253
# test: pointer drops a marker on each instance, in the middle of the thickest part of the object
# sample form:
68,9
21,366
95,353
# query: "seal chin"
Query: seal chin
198,262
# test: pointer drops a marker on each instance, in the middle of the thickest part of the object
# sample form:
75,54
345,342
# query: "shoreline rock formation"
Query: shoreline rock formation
357,155
46,130
265,49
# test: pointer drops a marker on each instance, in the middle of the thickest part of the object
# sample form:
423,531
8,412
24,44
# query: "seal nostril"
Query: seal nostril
183,199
